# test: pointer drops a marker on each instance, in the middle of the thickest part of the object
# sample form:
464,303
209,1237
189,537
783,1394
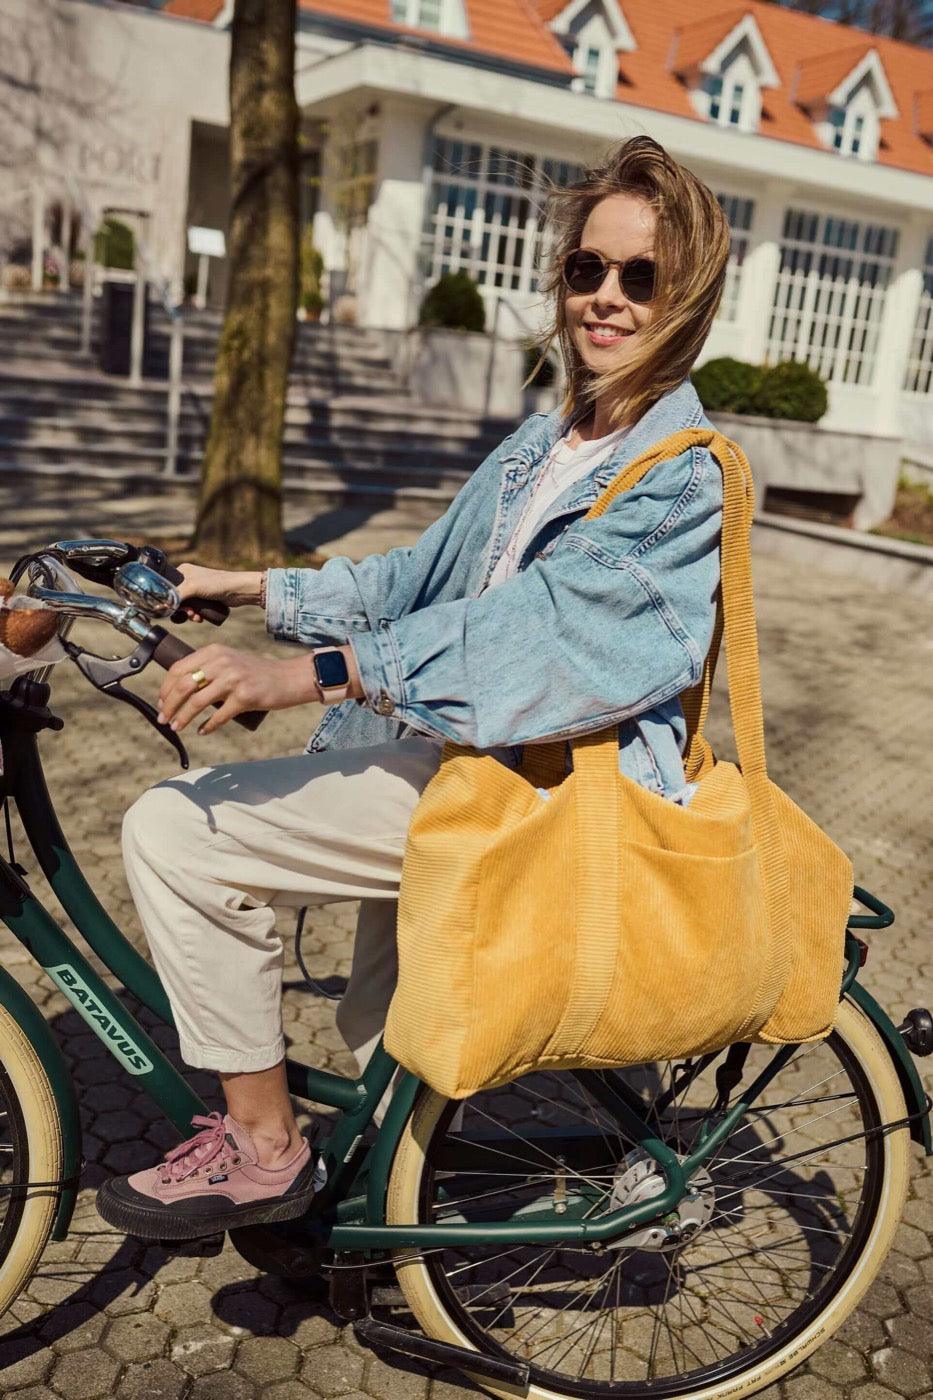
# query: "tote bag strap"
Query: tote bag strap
545,764
742,663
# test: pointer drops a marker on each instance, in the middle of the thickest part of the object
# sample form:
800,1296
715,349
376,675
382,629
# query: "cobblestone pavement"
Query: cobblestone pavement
847,676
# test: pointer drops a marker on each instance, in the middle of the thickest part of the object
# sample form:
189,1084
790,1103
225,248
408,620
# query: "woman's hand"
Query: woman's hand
236,681
229,586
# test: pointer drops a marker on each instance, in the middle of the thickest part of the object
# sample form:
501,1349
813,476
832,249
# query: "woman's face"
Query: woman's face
605,324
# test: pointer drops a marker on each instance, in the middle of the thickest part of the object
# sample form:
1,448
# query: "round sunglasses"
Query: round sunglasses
585,271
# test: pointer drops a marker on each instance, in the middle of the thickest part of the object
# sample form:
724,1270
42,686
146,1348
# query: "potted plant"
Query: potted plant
311,271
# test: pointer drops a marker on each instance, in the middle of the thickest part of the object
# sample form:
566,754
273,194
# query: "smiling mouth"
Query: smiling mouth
605,335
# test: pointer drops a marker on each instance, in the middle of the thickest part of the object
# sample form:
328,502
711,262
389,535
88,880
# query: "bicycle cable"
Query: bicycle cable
311,982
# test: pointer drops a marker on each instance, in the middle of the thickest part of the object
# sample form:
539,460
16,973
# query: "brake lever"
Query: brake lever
105,675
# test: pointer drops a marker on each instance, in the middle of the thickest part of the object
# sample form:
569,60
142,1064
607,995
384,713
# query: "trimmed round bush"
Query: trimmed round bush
726,385
455,302
114,245
790,390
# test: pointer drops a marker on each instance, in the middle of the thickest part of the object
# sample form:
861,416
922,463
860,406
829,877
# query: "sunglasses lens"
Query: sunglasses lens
584,271
638,279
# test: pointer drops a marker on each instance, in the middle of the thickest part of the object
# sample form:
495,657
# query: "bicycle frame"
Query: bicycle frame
344,1221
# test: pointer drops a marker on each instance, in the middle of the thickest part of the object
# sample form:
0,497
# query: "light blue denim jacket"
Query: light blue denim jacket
605,623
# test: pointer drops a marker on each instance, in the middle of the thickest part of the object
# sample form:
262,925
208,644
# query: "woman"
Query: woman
510,621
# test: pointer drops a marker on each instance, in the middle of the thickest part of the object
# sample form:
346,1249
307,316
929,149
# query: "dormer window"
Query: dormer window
847,94
594,33
729,100
725,64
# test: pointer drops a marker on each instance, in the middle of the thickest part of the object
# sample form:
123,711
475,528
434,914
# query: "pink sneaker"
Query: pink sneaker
209,1183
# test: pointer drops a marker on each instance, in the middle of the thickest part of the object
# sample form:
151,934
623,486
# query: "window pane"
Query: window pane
739,212
828,300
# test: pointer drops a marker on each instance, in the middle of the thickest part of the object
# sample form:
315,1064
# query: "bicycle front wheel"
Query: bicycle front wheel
30,1156
787,1227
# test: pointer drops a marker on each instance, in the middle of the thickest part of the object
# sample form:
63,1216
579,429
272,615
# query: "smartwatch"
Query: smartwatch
333,676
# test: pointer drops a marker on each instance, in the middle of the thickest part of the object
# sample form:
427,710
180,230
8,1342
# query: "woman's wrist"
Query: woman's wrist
246,589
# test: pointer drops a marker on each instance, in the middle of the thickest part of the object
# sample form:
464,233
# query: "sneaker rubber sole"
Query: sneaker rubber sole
171,1223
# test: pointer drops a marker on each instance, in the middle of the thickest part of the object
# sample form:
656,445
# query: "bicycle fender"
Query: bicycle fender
31,1021
914,1095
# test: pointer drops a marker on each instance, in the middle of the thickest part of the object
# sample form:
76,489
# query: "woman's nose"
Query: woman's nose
609,292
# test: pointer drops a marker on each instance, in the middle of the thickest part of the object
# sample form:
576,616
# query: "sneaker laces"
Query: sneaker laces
195,1152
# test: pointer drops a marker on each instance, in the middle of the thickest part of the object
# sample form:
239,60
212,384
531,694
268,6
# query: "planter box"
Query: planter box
806,457
468,370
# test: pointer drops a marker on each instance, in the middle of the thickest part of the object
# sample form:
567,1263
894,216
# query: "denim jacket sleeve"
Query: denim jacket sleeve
331,605
616,620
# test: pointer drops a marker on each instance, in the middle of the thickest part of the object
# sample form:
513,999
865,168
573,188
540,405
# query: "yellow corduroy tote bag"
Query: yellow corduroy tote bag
604,925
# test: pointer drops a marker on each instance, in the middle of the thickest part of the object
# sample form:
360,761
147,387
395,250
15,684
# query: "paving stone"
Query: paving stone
332,1371
152,1380
911,1333
202,1349
73,1327
184,1303
920,1301
839,1363
228,1386
84,1375
901,1372
139,1337
874,1392
265,1359
881,1300
804,1387
24,1361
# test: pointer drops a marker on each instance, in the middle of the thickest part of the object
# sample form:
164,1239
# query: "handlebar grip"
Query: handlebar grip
170,649
209,609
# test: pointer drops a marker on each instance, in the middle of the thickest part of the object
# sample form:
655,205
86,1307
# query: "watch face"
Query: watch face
331,669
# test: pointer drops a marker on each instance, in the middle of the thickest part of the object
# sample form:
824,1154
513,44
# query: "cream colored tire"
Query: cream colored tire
39,1127
856,1030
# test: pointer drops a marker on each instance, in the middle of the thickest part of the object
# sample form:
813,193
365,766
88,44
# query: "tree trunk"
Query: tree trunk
240,506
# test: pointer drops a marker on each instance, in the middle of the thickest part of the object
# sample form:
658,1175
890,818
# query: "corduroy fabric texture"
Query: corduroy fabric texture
605,925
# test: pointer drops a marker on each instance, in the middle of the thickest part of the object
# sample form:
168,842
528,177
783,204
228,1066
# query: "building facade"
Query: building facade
432,130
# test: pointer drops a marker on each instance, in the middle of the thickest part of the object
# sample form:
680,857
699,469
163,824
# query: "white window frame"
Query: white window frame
740,212
830,293
918,373
483,212
451,16
603,29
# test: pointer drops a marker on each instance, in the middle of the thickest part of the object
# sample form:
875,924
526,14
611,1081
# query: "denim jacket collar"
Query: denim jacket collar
678,408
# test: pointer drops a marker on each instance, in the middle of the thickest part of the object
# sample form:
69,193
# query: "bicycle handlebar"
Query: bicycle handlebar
170,649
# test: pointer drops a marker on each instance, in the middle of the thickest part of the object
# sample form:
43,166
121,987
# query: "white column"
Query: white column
760,271
387,282
897,324
67,223
38,236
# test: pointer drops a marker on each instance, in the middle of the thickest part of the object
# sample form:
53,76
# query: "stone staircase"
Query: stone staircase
353,431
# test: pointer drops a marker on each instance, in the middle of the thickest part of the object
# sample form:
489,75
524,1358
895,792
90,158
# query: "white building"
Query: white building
432,126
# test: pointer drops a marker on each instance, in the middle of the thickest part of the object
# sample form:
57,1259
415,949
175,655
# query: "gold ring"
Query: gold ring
199,678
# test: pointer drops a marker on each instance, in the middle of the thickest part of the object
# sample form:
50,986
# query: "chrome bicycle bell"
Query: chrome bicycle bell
145,590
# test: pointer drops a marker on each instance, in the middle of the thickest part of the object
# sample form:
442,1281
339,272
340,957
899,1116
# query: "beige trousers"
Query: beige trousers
207,854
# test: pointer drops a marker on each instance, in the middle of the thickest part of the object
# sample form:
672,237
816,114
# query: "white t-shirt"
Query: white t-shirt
563,466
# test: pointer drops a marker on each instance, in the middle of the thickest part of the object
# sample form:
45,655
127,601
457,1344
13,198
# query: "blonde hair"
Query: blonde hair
691,248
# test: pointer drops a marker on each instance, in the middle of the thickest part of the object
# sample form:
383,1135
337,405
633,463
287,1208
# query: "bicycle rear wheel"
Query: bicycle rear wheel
30,1152
791,1221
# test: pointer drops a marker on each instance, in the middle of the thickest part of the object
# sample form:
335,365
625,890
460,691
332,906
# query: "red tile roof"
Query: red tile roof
696,41
923,112
808,52
820,74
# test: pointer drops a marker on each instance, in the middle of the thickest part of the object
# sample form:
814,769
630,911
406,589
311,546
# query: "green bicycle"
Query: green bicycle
691,1229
